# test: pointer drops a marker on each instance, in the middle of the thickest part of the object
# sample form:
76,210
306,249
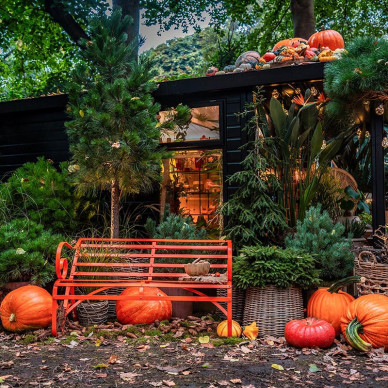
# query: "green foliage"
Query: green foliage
27,252
259,266
361,71
41,193
293,143
174,226
318,236
354,228
252,214
36,54
328,194
114,132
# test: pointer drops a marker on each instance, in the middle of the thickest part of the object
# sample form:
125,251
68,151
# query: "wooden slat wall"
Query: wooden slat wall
32,128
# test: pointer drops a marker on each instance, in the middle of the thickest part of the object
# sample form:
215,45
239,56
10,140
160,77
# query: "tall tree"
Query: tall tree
114,132
303,18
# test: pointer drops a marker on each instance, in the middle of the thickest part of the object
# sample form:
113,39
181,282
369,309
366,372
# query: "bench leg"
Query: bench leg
54,312
229,311
72,302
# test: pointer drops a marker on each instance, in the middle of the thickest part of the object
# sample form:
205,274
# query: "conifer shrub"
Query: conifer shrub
174,226
27,252
259,266
318,236
41,193
253,214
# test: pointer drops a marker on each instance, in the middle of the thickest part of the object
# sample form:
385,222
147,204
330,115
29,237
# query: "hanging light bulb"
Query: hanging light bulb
367,134
314,91
323,145
380,109
359,132
275,93
385,142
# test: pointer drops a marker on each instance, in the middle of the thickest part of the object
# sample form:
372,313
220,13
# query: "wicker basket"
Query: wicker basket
272,308
375,272
132,269
112,303
92,313
238,303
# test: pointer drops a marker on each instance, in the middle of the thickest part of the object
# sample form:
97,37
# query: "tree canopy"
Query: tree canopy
37,37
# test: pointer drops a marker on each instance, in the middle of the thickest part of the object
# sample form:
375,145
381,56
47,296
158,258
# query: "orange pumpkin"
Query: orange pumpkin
365,322
26,308
222,329
330,303
292,42
143,311
327,38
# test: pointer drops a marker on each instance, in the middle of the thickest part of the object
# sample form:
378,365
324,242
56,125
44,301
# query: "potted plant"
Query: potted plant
273,278
27,252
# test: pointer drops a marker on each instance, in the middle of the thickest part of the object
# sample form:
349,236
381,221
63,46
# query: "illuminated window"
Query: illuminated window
204,125
192,185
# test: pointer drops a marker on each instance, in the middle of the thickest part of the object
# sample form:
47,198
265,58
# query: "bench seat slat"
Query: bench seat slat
128,265
156,255
159,247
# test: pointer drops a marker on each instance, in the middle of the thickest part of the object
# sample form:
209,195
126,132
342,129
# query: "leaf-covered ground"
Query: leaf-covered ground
171,354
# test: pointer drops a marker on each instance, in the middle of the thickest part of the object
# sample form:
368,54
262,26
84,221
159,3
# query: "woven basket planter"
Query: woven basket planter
271,308
112,303
92,313
238,303
132,269
375,272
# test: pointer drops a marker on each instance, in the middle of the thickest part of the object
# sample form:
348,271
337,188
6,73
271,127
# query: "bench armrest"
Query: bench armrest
61,264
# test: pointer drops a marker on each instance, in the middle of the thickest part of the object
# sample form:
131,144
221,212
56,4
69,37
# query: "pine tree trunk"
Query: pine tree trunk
131,8
115,210
303,18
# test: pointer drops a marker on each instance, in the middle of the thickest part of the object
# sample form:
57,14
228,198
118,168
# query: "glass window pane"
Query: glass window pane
204,125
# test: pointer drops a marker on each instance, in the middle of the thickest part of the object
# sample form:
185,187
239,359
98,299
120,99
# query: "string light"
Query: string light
385,142
275,94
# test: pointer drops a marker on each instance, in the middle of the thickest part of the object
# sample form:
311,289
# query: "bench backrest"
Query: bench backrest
148,259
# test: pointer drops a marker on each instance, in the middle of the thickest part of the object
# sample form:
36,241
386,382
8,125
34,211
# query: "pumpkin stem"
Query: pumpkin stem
12,317
342,283
352,334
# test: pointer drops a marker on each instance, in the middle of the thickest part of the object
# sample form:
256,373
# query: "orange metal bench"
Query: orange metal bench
95,265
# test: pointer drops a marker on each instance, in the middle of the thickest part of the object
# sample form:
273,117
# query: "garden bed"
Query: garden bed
109,356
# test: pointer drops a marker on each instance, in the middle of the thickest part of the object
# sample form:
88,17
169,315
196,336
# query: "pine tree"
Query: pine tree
114,133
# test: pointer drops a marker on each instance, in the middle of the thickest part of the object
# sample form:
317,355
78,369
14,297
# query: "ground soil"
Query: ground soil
170,355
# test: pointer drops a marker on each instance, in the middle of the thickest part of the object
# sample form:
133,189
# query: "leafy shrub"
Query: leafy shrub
27,252
259,266
174,226
317,235
41,193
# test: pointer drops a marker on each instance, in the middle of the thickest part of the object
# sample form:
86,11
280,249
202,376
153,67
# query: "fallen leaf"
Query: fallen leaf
313,368
277,366
204,340
129,376
112,359
100,366
101,375
235,381
169,383
98,342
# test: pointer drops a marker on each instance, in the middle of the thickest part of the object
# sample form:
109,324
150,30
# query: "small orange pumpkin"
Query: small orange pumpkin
26,308
330,303
327,38
292,42
143,311
251,331
222,329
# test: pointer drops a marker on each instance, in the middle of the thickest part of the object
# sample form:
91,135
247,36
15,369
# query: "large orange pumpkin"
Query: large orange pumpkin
222,329
330,303
143,311
292,42
327,38
365,323
26,308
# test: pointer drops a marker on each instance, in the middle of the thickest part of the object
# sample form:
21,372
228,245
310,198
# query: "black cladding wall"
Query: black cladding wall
35,127
31,128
